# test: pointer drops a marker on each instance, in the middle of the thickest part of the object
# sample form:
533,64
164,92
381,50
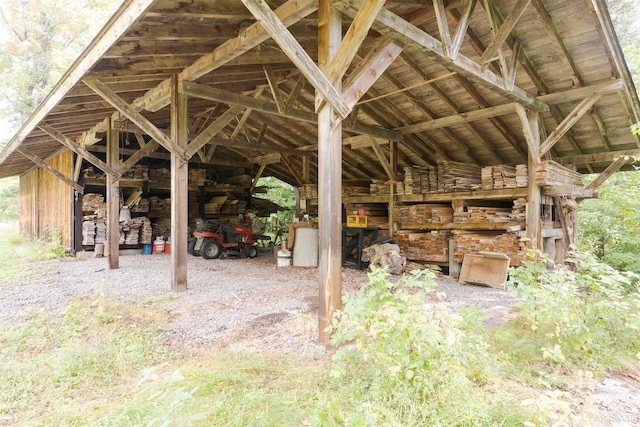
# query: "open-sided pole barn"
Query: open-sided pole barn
325,93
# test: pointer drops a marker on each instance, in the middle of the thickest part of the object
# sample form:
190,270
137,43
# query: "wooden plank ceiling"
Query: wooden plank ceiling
458,70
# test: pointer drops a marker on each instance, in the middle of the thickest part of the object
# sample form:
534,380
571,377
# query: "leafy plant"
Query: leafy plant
583,318
405,362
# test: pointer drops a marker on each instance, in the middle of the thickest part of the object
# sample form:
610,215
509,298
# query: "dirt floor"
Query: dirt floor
249,304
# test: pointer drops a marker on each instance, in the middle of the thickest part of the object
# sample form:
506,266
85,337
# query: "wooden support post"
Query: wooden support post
179,188
329,180
531,129
113,197
393,163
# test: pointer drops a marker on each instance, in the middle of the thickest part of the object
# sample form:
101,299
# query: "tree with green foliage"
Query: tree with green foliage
39,40
610,225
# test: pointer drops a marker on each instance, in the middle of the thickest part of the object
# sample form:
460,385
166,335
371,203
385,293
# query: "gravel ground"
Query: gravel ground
232,302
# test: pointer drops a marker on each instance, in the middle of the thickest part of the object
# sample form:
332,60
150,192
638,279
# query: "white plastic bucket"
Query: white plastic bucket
284,258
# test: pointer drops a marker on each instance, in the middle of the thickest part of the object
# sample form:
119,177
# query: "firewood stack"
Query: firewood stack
309,191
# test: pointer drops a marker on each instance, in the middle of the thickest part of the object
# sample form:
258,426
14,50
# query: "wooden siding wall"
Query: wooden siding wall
46,201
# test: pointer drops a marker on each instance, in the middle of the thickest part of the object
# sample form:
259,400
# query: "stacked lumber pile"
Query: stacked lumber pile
233,207
197,177
478,214
503,176
522,176
420,180
161,227
455,176
158,205
137,172
354,187
101,232
474,242
309,191
94,205
423,213
379,187
430,246
88,232
146,230
552,173
519,210
160,176
141,207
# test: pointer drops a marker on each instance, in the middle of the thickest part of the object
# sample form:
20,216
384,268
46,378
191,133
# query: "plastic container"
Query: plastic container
167,246
147,249
158,246
305,248
98,250
284,258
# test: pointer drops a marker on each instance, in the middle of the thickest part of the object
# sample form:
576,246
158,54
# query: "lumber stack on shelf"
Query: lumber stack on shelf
456,176
137,172
430,246
423,213
160,176
477,214
474,242
309,191
377,213
498,177
551,173
355,187
197,177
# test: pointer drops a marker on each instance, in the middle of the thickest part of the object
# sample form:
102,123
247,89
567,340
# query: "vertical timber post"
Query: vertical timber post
329,179
179,188
393,162
113,197
531,126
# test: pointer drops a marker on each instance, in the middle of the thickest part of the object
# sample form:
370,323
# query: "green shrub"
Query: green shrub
401,361
587,318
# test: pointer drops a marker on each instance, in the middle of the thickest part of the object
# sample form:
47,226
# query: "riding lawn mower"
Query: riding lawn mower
222,239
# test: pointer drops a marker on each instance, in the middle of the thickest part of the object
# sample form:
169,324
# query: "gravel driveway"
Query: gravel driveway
231,302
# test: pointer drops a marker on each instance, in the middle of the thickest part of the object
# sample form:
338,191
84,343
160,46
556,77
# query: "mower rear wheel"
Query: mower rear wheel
251,252
210,249
191,247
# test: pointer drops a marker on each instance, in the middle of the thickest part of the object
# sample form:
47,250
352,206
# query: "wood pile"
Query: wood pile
552,173
137,172
137,231
478,214
101,232
354,187
94,204
503,176
141,207
474,242
379,187
160,176
519,211
420,180
423,213
161,227
455,176
88,232
430,246
158,205
197,177
309,191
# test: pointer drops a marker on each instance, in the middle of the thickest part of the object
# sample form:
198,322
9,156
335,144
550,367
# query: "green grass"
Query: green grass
17,252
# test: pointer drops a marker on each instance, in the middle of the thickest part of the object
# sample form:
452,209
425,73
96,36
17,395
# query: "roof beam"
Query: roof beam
79,150
206,92
38,161
607,156
288,14
144,151
568,123
382,158
132,114
212,130
610,170
505,29
399,29
289,45
353,39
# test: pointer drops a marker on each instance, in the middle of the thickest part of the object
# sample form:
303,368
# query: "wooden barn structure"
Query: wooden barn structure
437,116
